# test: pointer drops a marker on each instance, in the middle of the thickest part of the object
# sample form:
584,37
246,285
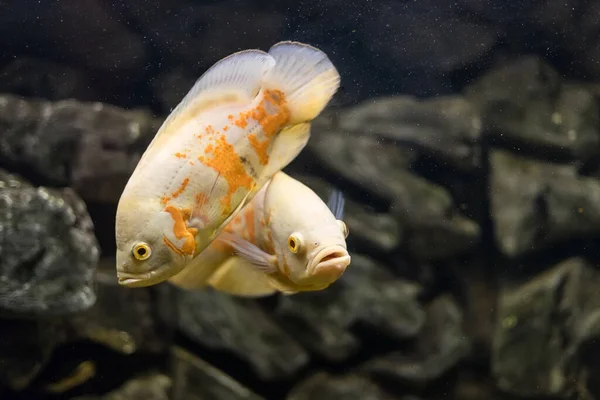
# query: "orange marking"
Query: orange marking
191,163
172,246
229,165
180,155
181,231
260,147
164,200
209,148
184,184
249,220
230,117
225,128
210,130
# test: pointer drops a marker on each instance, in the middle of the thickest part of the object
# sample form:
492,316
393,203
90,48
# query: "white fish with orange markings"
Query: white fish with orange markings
245,119
285,240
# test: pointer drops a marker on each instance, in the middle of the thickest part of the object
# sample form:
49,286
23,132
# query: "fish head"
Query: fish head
309,241
144,257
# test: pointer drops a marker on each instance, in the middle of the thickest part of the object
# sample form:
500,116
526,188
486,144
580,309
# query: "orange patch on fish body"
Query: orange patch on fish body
249,225
181,188
260,147
229,165
181,231
180,155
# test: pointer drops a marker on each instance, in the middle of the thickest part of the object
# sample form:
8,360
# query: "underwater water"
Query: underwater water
464,137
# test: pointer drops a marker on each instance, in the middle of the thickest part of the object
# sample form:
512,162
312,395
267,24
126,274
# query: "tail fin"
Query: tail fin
305,75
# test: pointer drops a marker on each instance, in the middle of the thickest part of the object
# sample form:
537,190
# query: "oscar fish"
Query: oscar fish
285,240
246,118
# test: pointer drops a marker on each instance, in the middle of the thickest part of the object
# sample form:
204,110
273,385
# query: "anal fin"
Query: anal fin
239,277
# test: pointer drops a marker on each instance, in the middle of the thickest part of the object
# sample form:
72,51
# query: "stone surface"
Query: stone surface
524,104
447,127
124,320
25,349
48,250
541,327
239,326
537,204
366,294
440,346
194,379
92,146
430,222
323,386
370,231
147,387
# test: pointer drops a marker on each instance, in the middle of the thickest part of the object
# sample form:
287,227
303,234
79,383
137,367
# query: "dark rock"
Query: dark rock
541,328
369,230
124,320
446,127
194,379
92,146
432,226
25,349
440,346
41,78
148,387
367,294
435,37
536,204
48,251
323,386
524,104
221,322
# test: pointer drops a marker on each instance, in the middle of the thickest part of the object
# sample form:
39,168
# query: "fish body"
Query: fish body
286,239
245,119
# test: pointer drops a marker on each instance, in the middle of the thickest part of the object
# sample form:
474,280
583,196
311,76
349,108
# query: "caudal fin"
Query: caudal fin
305,75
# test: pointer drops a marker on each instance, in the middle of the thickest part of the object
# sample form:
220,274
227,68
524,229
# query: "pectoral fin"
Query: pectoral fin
286,147
237,276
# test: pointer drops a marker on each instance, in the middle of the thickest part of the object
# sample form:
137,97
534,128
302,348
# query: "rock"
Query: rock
221,322
323,386
543,329
124,320
48,251
370,231
446,127
441,345
441,40
25,349
430,222
147,387
42,78
523,104
92,146
194,379
366,294
536,204
432,225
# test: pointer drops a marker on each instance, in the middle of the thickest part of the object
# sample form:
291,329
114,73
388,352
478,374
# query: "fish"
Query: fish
247,117
285,240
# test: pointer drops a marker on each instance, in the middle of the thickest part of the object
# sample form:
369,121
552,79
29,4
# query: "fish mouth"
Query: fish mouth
147,278
331,261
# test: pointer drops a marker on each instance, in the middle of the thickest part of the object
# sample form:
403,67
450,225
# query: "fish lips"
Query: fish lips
150,278
331,261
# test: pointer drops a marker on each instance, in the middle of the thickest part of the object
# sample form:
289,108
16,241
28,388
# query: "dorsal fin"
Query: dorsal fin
232,79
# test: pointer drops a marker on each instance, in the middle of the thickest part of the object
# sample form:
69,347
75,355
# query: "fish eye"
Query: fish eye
294,242
344,228
141,251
